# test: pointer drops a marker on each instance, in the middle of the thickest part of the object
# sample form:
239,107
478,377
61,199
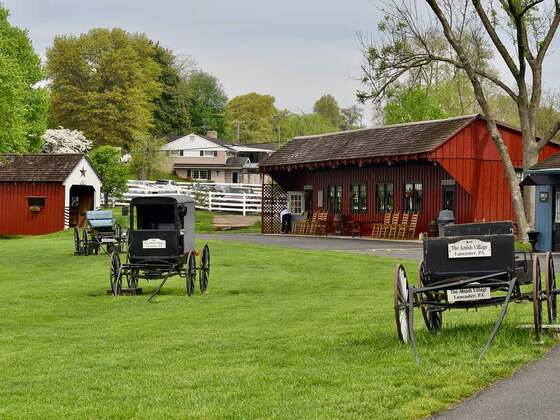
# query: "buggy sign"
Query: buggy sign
153,243
468,294
469,248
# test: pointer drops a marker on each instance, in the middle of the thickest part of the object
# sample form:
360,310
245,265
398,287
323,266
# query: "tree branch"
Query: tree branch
549,136
495,38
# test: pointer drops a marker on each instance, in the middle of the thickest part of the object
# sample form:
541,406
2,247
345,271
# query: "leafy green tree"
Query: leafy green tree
23,107
113,173
416,104
171,115
293,125
251,118
104,83
206,102
147,156
327,107
351,117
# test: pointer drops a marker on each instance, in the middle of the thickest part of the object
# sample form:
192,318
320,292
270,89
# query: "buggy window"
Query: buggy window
155,217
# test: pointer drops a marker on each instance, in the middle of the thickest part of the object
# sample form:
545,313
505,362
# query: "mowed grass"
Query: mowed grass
282,333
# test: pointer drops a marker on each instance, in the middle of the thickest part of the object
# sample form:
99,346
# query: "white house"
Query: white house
207,158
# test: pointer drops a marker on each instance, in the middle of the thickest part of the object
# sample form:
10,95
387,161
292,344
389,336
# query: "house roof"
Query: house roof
37,167
180,143
551,162
388,140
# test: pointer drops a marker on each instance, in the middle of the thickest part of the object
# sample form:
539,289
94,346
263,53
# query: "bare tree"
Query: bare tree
465,34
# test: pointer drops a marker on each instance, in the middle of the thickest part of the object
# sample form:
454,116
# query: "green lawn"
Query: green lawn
281,333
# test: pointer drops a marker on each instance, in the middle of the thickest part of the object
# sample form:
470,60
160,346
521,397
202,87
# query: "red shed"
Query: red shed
415,167
43,193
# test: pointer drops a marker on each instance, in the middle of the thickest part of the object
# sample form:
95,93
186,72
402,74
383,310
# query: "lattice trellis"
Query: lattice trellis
274,200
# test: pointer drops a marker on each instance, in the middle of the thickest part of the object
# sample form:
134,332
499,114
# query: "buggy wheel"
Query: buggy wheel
85,242
400,302
76,240
550,282
536,296
432,319
115,276
132,279
204,269
190,275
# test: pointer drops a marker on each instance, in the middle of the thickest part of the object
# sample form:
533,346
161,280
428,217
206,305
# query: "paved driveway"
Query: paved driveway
395,249
532,393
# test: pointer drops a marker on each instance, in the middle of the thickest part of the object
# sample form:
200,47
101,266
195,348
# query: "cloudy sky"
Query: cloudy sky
295,50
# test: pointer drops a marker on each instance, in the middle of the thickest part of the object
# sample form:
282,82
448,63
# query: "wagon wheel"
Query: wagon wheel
432,319
115,276
190,275
132,279
537,303
400,299
550,280
204,269
76,240
85,242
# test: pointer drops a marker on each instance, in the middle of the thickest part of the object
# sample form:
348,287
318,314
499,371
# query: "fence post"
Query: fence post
209,200
244,205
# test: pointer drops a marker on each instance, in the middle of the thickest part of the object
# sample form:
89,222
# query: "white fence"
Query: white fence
208,196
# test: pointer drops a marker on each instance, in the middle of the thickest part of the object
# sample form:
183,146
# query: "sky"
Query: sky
293,50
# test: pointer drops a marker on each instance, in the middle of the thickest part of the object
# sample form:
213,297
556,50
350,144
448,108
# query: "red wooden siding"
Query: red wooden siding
17,219
428,173
474,162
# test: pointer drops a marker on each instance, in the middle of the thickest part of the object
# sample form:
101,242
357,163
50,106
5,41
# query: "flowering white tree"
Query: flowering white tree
63,140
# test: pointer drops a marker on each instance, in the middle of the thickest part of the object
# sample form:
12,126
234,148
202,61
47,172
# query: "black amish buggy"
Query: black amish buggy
161,244
472,265
101,232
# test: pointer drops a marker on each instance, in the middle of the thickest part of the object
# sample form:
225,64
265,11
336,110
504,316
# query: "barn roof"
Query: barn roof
37,167
403,141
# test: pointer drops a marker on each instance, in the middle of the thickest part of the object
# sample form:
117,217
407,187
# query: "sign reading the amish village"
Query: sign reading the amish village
469,248
153,243
475,293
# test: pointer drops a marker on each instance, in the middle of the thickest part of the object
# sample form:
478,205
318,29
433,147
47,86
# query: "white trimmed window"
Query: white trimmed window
200,174
296,202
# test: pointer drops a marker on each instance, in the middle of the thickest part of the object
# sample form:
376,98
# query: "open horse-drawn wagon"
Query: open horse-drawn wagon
161,244
102,232
471,266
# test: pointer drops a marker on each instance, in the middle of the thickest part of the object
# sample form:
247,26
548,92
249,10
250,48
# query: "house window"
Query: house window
181,153
384,197
201,153
200,174
358,201
296,203
335,199
412,197
36,202
210,153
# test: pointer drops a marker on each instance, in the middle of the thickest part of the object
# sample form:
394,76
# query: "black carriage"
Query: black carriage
161,244
471,266
102,232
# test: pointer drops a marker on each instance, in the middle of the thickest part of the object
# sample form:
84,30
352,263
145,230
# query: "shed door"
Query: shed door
556,221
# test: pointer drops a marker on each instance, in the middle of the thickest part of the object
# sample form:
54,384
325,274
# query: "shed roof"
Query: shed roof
551,162
38,167
408,139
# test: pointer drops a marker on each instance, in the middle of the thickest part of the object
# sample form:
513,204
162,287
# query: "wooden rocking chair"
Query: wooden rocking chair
384,230
403,226
394,226
311,227
376,227
411,230
322,220
298,227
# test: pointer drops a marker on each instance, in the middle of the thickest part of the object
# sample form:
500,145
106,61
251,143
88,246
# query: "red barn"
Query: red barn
415,167
43,193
